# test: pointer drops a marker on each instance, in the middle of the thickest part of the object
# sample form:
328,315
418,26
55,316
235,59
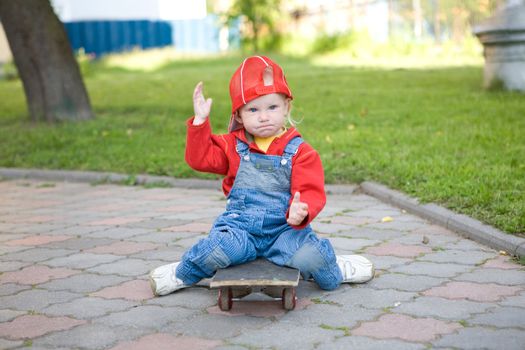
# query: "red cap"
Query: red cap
250,81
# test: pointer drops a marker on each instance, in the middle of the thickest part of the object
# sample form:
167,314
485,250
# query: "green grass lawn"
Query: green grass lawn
432,133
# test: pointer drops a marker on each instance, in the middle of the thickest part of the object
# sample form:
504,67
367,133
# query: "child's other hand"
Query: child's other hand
201,106
298,210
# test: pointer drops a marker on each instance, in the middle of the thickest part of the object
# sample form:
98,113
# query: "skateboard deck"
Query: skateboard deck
261,275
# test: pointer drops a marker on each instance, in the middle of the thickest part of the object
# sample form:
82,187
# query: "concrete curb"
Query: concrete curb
139,180
459,223
102,177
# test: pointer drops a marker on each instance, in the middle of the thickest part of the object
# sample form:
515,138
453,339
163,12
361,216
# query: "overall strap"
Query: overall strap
291,148
242,148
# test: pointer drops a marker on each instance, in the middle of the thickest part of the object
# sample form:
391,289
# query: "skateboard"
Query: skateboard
260,275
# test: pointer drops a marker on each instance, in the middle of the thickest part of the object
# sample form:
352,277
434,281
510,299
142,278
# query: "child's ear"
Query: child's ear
288,105
237,117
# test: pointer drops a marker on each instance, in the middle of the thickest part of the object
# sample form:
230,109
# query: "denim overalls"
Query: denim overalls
254,225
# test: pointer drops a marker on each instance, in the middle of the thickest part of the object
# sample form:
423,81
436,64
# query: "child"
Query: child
274,183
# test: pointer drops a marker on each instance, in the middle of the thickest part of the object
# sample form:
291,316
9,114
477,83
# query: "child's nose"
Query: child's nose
263,116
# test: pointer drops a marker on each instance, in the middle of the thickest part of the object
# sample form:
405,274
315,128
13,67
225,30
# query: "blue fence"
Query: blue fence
102,37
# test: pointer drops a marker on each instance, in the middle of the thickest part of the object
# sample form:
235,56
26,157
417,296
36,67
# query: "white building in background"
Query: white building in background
104,26
112,10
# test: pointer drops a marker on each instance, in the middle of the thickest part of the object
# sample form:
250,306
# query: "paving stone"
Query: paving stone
190,241
370,298
12,265
409,283
484,275
230,347
377,234
406,328
329,228
472,291
483,338
37,240
322,318
35,274
9,250
123,248
351,244
157,224
35,299
214,326
467,244
517,300
82,243
135,290
502,317
78,230
10,344
442,308
84,283
387,262
36,255
304,337
32,326
348,220
145,317
332,315
364,343
115,221
398,225
400,250
458,256
425,240
89,336
83,260
432,269
88,307
168,254
502,262
193,298
377,212
5,237
161,341
12,288
9,315
127,267
119,233
196,227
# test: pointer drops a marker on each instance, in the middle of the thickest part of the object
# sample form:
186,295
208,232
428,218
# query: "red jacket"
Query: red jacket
217,154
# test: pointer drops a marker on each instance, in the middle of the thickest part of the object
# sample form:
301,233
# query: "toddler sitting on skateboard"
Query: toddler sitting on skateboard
274,183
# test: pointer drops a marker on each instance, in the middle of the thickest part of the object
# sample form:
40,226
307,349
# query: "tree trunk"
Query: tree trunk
50,74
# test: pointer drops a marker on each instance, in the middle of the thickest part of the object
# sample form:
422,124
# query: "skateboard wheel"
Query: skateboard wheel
289,298
225,299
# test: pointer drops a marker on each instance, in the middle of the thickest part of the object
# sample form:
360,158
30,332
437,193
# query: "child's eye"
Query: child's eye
252,110
273,107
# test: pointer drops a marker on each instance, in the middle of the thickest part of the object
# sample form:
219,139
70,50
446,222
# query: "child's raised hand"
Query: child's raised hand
298,210
201,106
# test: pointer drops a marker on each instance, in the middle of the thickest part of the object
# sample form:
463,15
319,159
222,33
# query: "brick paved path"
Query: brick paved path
74,260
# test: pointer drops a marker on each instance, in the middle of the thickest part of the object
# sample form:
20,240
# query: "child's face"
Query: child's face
264,116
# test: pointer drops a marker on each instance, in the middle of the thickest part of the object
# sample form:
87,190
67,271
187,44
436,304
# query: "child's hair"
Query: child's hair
291,121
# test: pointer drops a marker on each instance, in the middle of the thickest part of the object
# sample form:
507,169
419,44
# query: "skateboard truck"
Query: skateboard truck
259,275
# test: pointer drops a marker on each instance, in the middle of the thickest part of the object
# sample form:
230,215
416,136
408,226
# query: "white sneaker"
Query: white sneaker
355,268
163,279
